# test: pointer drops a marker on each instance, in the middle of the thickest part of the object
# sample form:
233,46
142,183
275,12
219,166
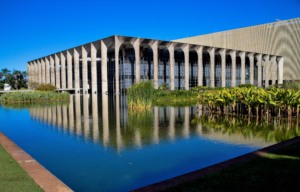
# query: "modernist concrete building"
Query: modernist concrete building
260,55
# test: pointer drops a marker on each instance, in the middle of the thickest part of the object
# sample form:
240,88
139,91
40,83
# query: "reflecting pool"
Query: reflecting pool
94,143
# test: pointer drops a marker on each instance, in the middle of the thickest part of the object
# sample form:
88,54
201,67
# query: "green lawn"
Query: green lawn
276,171
13,177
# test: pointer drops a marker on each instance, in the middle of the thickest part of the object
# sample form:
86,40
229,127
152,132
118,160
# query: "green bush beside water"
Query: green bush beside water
34,96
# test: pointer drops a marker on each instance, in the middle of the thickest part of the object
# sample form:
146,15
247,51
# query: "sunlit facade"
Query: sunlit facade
261,55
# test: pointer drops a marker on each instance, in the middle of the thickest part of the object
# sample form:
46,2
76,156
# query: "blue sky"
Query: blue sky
34,28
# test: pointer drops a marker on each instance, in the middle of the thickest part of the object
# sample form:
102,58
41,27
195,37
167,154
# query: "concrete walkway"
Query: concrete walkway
46,180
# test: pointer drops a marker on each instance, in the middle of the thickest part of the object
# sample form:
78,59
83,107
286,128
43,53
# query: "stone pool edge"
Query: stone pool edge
44,178
192,176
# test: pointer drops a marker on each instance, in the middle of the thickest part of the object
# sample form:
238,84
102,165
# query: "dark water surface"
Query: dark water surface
95,144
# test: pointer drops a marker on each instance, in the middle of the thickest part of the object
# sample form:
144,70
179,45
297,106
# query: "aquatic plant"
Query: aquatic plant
34,96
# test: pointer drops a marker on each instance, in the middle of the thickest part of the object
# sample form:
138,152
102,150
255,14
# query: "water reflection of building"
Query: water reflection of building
106,120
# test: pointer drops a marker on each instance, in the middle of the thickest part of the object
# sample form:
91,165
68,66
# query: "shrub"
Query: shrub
33,85
45,87
246,85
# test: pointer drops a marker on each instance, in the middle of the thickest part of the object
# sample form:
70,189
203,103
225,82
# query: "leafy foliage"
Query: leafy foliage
45,87
34,96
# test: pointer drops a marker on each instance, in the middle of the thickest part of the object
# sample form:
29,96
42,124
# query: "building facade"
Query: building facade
277,38
115,63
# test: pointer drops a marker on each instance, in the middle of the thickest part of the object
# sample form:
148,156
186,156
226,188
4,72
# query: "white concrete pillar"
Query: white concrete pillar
43,70
95,117
71,114
63,70
259,69
94,68
211,52
171,132
186,51
52,74
266,69
70,69
223,67
154,48
186,123
84,70
105,118
104,67
57,72
273,70
156,125
136,46
78,116
86,122
47,63
172,66
199,51
76,70
233,68
39,74
251,59
243,67
35,72
280,70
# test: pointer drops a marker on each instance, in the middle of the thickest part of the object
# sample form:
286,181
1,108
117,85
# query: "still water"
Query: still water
94,143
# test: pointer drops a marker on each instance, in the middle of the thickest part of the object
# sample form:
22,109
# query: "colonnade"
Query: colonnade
98,65
93,118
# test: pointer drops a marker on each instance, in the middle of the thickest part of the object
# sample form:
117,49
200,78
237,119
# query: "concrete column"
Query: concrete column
63,70
70,70
35,72
136,46
172,66
76,70
186,123
171,132
71,114
154,48
266,70
94,68
211,52
95,117
156,126
104,67
78,114
39,74
273,70
52,74
57,74
105,118
86,122
186,52
47,70
251,59
243,68
233,68
43,70
280,70
84,70
259,69
223,67
199,51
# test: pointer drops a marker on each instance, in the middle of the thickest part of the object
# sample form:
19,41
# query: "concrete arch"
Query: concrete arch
238,70
247,70
146,69
163,66
218,70
126,65
206,67
228,69
179,68
193,62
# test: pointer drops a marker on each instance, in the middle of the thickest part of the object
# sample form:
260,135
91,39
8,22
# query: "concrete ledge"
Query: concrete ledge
44,178
189,177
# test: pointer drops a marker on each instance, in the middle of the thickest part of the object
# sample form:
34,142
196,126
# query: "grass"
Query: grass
276,171
13,177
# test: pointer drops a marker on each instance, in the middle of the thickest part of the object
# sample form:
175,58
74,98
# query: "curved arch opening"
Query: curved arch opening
238,70
163,66
218,70
228,69
247,70
179,69
193,62
126,66
146,66
206,68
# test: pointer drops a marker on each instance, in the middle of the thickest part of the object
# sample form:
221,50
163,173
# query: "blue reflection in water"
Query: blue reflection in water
118,155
